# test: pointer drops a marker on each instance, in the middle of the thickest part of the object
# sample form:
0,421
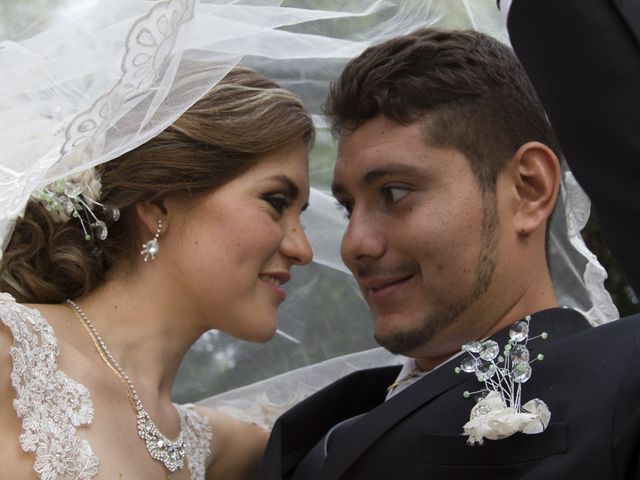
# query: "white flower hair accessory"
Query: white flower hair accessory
498,412
76,197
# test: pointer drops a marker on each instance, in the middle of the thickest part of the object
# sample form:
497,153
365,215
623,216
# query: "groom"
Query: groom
448,172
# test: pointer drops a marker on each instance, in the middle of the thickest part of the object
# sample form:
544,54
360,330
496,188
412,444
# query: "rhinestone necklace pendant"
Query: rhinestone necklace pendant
169,452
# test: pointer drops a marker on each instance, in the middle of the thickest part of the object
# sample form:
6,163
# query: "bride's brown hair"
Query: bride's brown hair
243,119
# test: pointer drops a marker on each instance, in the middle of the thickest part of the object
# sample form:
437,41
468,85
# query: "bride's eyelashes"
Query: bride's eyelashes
279,201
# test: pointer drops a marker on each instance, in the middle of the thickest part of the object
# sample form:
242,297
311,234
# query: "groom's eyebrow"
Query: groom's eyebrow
399,169
376,174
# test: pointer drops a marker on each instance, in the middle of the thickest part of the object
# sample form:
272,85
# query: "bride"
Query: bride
110,273
91,352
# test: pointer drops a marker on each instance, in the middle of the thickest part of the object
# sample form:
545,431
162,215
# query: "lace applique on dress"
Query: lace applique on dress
51,405
198,434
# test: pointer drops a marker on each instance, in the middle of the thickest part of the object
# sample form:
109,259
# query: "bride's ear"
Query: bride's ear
148,215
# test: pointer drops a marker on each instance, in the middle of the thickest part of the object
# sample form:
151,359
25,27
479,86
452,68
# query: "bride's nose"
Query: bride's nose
296,246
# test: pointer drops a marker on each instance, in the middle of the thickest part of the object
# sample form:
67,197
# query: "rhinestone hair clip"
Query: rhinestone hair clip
76,197
499,412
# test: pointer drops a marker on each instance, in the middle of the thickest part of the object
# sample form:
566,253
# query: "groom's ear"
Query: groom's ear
535,171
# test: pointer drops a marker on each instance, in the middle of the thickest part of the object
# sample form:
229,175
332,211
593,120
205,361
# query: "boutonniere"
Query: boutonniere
498,412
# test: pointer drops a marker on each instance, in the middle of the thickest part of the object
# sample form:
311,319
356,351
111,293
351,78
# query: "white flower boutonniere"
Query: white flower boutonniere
498,412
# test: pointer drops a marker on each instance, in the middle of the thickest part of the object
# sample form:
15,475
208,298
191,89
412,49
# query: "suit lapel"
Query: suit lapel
351,443
299,429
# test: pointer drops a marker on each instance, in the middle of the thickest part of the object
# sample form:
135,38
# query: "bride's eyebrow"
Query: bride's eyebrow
292,189
293,192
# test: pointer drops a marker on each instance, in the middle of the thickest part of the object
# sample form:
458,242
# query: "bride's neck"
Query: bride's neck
146,330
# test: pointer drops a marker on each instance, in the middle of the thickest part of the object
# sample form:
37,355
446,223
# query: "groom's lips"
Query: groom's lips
383,289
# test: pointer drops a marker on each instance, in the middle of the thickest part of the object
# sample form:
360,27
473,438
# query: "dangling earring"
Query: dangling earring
151,248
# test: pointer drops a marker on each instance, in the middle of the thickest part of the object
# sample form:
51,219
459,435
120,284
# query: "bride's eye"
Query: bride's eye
278,201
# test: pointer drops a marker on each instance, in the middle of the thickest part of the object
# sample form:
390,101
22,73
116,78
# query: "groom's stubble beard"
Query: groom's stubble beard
448,313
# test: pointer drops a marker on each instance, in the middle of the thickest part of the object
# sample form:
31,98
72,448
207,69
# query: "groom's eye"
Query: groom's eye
394,194
345,207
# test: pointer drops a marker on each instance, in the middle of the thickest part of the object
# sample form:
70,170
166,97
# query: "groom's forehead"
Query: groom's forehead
379,137
366,157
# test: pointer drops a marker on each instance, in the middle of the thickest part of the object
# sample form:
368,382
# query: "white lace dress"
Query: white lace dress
52,406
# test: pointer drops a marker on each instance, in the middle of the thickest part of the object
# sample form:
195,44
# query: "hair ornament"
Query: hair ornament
77,197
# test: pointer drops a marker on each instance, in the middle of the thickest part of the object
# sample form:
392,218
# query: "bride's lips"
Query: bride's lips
275,280
383,289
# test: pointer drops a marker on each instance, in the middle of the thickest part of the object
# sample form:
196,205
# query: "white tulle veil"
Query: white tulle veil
84,81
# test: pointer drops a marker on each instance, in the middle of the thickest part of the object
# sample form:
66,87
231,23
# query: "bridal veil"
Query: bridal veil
84,81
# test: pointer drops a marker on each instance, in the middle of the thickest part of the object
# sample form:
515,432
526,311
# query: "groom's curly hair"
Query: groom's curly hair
468,89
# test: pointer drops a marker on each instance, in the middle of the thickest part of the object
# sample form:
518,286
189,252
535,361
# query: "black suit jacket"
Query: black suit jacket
589,378
583,58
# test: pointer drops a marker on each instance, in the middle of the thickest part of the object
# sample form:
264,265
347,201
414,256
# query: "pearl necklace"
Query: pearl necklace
170,453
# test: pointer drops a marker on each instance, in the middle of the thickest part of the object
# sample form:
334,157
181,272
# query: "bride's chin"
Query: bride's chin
262,338
259,334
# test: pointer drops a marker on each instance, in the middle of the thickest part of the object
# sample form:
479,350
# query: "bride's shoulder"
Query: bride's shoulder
19,319
6,339
15,321
12,458
22,328
237,446
13,313
9,425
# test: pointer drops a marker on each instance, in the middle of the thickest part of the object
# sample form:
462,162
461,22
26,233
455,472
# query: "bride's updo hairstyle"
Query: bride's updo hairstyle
243,119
